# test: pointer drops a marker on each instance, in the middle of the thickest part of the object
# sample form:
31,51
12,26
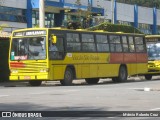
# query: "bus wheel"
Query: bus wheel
122,77
92,80
148,77
68,78
35,82
115,79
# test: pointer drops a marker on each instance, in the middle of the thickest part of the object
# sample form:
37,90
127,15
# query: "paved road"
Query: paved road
105,96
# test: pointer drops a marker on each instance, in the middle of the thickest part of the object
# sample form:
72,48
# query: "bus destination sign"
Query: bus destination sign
30,33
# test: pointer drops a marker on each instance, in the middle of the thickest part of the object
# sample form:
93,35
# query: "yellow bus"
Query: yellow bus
48,54
153,48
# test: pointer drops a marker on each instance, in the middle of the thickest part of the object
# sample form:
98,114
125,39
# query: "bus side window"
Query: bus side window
88,43
56,50
115,43
125,44
131,44
139,43
102,43
73,42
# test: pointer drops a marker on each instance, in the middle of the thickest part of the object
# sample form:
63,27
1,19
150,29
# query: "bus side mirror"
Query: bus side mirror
54,39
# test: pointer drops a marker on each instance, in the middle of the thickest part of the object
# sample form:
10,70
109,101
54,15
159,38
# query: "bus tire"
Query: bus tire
68,77
92,80
148,77
35,82
115,79
123,74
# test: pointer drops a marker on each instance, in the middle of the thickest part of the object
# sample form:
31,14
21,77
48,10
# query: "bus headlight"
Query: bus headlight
44,70
14,71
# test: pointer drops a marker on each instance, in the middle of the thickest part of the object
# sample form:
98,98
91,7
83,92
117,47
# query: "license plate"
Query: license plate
27,77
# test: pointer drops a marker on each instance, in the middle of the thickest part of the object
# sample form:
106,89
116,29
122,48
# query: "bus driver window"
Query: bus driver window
53,50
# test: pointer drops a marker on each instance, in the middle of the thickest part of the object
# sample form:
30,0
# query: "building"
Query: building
25,13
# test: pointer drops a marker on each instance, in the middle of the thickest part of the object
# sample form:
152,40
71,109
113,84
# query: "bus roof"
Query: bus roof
78,30
97,31
152,36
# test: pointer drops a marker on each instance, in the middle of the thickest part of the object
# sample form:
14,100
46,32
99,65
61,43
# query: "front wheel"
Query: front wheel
148,77
68,77
92,80
35,82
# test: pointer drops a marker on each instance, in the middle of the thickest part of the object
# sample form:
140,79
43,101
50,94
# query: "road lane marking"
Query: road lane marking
38,93
155,109
4,95
70,90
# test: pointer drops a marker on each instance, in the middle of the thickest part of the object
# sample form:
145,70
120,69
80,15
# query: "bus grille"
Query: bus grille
32,67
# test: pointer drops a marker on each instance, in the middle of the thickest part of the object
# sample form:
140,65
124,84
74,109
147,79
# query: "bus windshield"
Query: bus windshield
153,51
32,48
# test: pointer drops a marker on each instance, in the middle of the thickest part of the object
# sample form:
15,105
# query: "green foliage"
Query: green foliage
3,26
36,26
115,28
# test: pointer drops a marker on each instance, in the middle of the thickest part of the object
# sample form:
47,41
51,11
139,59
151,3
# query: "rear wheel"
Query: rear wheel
68,77
92,80
148,77
115,79
122,76
35,82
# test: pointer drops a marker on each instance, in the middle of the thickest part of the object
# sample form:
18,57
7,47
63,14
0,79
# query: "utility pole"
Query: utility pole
41,14
112,11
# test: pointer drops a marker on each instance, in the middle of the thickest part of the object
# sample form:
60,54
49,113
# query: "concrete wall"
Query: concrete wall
145,15
125,12
83,2
13,25
15,3
158,17
54,0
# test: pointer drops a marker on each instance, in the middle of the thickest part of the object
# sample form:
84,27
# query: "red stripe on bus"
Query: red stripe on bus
128,58
17,64
142,57
116,57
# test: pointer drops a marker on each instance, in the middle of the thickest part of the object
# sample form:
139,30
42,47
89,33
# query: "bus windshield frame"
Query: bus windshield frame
153,47
28,45
28,48
153,50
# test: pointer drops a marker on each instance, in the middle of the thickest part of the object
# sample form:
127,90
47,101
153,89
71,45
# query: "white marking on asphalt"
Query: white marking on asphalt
111,117
155,109
4,95
38,93
142,89
71,90
135,88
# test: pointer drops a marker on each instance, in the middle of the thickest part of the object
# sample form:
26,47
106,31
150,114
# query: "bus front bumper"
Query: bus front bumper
29,77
